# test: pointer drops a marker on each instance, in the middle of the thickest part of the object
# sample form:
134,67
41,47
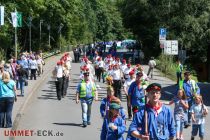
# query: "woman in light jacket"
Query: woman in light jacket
7,98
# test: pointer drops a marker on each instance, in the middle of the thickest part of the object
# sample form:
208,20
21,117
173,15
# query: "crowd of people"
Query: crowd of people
14,75
151,118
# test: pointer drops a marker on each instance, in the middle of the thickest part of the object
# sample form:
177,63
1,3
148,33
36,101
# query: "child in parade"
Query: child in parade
180,112
198,112
105,103
113,125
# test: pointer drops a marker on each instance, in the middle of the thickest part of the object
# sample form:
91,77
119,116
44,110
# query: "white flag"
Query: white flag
16,19
1,15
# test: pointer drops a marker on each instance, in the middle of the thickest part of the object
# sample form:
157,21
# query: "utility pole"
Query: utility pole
60,28
30,20
16,42
40,32
48,27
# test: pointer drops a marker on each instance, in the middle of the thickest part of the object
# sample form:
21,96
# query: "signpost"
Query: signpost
162,34
171,47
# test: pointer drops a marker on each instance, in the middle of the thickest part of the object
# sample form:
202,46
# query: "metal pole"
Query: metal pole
29,19
16,42
49,33
40,32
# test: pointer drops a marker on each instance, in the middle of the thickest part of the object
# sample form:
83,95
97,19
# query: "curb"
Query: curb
23,106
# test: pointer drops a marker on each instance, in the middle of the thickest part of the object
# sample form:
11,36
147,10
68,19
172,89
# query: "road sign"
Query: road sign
171,47
162,34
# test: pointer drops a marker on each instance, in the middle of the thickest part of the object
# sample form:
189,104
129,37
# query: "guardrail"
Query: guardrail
51,54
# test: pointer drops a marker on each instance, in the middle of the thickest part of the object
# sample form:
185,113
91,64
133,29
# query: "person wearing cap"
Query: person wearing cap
159,118
86,92
123,66
126,86
113,126
101,66
136,94
191,89
58,74
126,71
117,76
33,66
152,65
104,107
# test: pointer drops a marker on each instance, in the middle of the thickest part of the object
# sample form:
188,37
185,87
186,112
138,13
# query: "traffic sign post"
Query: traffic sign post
162,34
171,47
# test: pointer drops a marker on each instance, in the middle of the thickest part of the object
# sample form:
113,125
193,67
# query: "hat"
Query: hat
128,65
59,63
153,86
123,60
131,72
85,59
187,73
114,106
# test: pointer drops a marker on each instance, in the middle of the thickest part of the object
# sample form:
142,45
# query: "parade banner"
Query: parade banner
1,15
16,19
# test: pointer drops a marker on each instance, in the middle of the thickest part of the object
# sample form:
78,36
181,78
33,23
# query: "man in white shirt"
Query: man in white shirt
101,66
40,63
151,64
116,74
126,86
59,79
123,66
126,71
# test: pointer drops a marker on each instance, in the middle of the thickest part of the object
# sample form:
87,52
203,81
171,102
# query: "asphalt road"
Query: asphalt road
47,117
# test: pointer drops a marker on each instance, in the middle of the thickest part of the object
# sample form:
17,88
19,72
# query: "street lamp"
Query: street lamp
30,20
40,32
48,27
59,30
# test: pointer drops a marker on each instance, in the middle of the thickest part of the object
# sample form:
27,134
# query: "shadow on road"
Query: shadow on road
69,124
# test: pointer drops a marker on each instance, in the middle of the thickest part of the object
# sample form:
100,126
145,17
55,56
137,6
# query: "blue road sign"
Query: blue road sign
162,32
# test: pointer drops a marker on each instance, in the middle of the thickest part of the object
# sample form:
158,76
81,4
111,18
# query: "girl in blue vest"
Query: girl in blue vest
180,112
113,125
104,107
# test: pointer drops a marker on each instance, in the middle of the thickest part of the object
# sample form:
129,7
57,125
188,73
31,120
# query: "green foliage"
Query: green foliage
85,21
186,20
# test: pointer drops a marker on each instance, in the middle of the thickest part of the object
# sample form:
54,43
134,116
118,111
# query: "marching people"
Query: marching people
179,69
117,76
113,126
40,64
86,92
154,121
126,86
100,65
180,115
66,78
58,74
190,88
127,70
152,65
136,94
7,98
198,111
105,103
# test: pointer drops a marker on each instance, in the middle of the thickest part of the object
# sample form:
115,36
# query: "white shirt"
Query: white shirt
39,61
126,72
101,64
197,110
59,71
33,64
123,67
116,74
152,63
128,83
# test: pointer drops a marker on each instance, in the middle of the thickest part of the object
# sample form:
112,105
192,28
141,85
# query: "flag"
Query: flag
16,19
1,15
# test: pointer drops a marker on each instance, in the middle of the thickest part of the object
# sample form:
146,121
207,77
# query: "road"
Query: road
46,116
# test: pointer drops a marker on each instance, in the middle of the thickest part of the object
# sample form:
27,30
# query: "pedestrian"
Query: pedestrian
21,76
136,94
58,74
101,66
180,115
198,112
86,92
152,65
190,88
7,98
33,66
66,78
40,64
179,69
154,121
113,126
117,83
126,86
